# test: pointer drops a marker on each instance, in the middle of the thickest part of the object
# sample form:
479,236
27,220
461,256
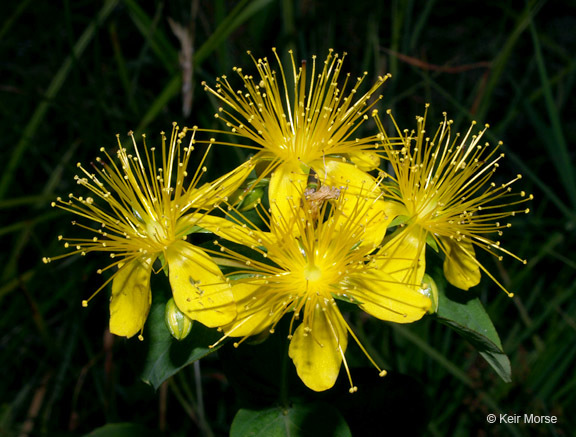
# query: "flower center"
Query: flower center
158,232
427,209
312,273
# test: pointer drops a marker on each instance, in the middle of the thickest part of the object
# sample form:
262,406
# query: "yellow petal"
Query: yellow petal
253,311
317,353
371,214
366,161
460,266
215,192
361,200
395,209
403,257
384,297
287,185
198,286
340,174
227,229
131,297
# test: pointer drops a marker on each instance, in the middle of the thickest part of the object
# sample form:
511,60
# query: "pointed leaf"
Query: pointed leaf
166,355
468,317
300,420
121,430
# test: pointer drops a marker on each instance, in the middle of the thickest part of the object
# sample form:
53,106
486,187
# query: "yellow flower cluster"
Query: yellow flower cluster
335,217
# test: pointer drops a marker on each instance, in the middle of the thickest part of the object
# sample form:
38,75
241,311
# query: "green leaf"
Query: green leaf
300,420
430,241
166,356
468,317
400,220
122,430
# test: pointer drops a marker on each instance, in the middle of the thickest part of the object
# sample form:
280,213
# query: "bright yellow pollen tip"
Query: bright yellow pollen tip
140,198
443,181
318,120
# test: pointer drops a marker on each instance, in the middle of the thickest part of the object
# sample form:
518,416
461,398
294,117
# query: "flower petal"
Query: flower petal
253,310
198,286
131,297
365,160
340,174
360,200
395,209
227,229
373,217
215,192
382,296
460,266
403,256
287,185
317,352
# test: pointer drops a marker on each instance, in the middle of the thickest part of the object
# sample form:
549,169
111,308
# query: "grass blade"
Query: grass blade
53,88
556,145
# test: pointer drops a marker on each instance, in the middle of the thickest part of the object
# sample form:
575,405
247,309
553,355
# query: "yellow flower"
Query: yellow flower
332,256
143,198
443,187
301,118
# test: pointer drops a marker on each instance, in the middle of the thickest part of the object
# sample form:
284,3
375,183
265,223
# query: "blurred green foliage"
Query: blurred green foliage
74,73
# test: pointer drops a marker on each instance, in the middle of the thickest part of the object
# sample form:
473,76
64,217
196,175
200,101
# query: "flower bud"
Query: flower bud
251,199
249,195
430,289
178,323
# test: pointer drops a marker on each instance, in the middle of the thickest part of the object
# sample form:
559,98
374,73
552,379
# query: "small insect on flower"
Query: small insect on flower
143,207
310,259
316,194
444,189
300,118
